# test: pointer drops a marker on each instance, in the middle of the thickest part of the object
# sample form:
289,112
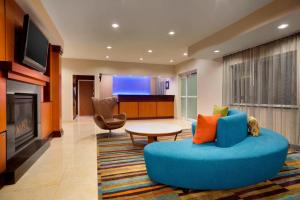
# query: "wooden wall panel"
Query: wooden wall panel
130,108
55,87
46,119
165,109
147,109
2,151
2,102
13,22
2,30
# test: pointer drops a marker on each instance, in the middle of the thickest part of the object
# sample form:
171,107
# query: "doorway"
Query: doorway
83,91
188,95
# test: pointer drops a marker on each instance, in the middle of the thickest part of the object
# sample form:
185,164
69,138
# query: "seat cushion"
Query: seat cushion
232,129
114,121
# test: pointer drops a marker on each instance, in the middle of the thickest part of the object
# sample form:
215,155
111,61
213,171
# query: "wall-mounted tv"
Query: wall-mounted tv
131,85
35,49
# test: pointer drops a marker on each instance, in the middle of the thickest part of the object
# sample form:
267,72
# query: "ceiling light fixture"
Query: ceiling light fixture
171,33
141,59
216,51
115,25
108,47
185,54
171,60
282,26
107,57
149,51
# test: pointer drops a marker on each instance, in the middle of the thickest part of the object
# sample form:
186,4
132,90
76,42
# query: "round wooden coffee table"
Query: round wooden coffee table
152,131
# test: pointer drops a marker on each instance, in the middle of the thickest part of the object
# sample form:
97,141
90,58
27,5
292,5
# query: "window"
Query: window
269,80
188,95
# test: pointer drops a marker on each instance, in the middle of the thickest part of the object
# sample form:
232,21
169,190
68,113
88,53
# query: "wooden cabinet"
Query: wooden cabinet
165,109
147,106
2,152
130,108
147,109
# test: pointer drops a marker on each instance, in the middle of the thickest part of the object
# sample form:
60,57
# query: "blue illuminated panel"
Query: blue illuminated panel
132,85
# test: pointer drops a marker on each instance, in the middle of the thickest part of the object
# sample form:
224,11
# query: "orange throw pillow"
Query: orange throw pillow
206,129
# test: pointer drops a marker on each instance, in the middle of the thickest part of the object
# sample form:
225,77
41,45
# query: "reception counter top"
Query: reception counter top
146,106
127,98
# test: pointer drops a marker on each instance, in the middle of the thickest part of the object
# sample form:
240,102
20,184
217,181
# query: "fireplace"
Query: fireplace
22,116
21,120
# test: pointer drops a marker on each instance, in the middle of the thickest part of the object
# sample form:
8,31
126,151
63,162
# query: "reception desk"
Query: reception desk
146,106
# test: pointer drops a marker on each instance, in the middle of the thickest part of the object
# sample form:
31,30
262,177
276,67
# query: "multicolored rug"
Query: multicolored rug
122,175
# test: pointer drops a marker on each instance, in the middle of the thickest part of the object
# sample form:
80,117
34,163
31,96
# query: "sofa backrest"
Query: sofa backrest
232,129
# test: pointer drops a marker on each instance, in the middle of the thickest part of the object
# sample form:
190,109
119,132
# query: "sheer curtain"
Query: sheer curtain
264,82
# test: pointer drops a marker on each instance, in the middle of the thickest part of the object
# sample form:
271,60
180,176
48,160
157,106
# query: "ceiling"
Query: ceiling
144,24
261,35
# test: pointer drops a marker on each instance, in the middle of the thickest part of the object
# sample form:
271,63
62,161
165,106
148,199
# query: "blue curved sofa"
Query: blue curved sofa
210,166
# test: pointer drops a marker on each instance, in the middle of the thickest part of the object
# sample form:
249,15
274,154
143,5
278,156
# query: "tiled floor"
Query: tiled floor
68,169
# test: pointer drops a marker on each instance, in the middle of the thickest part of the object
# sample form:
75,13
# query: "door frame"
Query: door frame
78,92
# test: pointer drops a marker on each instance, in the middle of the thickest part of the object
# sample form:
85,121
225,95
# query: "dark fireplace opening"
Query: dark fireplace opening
21,121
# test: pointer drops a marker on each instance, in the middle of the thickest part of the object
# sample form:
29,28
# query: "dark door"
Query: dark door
86,92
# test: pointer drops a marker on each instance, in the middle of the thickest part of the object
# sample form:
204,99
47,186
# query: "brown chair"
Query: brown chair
103,114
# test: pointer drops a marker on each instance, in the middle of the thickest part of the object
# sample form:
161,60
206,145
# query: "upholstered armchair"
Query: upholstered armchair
103,114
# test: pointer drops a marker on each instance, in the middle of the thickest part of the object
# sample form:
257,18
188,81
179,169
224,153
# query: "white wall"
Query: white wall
209,87
72,67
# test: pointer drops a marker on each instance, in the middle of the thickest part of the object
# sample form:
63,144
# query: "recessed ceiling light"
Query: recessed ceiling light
282,26
149,51
171,32
115,25
141,59
216,51
171,60
108,47
185,54
107,57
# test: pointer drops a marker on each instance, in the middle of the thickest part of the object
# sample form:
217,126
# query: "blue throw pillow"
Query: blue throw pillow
232,129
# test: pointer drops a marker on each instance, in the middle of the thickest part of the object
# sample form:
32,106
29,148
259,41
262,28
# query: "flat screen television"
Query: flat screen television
35,49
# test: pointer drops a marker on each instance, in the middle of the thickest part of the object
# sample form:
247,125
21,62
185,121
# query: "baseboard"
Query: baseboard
59,133
2,180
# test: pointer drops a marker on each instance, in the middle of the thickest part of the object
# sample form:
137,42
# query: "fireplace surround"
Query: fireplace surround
23,116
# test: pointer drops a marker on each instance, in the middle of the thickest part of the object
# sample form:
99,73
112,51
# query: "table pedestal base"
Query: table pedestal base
150,140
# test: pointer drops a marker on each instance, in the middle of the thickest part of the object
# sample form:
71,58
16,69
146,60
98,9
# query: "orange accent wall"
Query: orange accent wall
13,22
46,119
2,30
2,102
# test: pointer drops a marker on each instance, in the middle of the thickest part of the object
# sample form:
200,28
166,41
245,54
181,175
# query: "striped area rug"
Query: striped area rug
122,175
